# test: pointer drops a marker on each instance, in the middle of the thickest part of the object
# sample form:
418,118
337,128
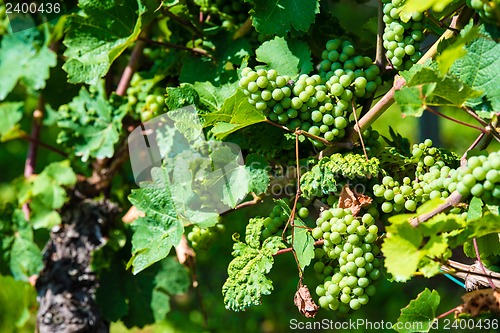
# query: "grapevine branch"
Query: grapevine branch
30,164
387,100
480,263
454,199
290,249
195,50
43,144
437,113
472,276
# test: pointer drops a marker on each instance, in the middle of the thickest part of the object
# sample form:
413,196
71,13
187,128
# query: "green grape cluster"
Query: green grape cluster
489,10
202,238
346,74
347,262
480,177
431,181
401,39
277,219
320,103
146,105
371,141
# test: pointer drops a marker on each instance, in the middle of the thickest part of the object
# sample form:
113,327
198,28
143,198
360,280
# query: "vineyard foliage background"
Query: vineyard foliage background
341,208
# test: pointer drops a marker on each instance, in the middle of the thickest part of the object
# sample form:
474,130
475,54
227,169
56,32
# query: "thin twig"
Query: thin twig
290,249
380,59
383,104
30,164
436,112
463,159
129,71
480,263
43,144
195,50
448,312
453,200
359,133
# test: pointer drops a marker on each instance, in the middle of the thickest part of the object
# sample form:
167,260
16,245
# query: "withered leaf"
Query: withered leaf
353,200
304,302
480,301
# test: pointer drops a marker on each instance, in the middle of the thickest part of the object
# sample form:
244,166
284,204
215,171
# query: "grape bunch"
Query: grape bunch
347,262
401,39
431,181
321,103
489,10
276,220
201,238
146,101
480,177
346,74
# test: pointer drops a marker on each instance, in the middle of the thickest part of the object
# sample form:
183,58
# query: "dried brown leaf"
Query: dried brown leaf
480,301
304,302
353,200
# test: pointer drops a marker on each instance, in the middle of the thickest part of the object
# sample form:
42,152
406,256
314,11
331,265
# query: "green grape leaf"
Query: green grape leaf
418,316
420,6
247,281
25,259
257,168
456,50
480,67
488,245
323,177
17,298
160,229
213,97
21,61
181,96
286,57
401,251
96,37
229,181
475,211
46,193
171,279
236,113
278,17
303,243
91,124
425,86
411,100
10,113
148,294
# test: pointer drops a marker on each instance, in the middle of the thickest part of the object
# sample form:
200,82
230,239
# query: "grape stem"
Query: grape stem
30,164
480,263
195,50
489,128
105,169
436,112
449,312
463,159
380,59
453,200
359,133
43,144
290,249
